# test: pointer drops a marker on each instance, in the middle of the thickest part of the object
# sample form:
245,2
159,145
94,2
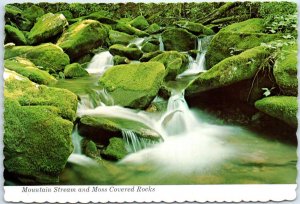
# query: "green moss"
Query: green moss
82,37
33,12
37,141
196,28
178,39
46,56
231,70
153,28
149,47
13,16
147,56
127,28
140,23
226,44
47,26
15,35
253,25
90,148
117,37
281,107
285,69
115,150
68,14
28,69
75,70
28,93
133,85
174,62
130,53
120,60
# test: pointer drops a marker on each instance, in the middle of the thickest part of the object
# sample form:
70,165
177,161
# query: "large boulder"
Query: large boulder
285,69
174,62
47,26
82,37
140,23
26,68
178,39
75,70
37,138
281,107
231,70
47,56
236,38
195,28
134,85
14,35
117,37
133,53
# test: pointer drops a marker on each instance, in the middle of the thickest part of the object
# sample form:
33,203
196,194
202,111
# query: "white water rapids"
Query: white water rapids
189,144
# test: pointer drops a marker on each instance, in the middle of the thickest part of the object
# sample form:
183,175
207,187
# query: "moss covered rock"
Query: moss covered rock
147,56
47,26
195,28
285,70
236,38
89,148
75,70
33,12
14,16
45,56
82,37
174,62
68,14
117,37
140,23
14,35
149,47
28,69
281,107
154,28
120,60
133,53
134,85
178,39
37,134
115,150
231,70
28,93
127,28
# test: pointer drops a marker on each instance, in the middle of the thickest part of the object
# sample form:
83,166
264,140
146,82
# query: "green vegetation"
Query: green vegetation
15,35
115,150
75,70
178,39
133,85
117,37
195,28
140,23
122,50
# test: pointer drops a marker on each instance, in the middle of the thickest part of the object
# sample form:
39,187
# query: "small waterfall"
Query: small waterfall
135,143
198,65
76,139
137,41
161,44
100,63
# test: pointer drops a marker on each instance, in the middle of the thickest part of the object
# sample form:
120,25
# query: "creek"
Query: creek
194,148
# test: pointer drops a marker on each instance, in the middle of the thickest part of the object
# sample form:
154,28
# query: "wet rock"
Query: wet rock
47,56
120,60
89,148
285,69
47,26
115,150
82,37
140,23
117,37
149,47
26,68
14,35
174,62
236,38
75,70
127,28
281,107
178,39
147,56
38,126
134,85
133,53
195,28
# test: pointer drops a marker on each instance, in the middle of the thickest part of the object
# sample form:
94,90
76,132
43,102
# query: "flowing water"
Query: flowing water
196,148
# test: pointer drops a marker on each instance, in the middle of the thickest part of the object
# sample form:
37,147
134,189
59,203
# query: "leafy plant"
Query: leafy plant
283,24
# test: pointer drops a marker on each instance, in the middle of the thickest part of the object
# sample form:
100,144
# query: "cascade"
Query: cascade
161,44
100,63
76,138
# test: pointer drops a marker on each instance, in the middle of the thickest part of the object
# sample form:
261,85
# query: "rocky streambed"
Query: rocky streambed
96,99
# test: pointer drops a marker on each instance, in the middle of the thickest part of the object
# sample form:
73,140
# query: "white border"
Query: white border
167,193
